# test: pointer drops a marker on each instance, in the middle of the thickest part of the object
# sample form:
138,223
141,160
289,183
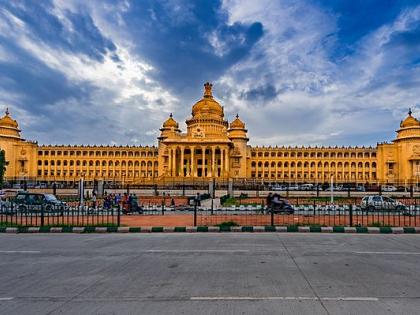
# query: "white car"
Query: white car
294,187
307,187
389,188
377,202
278,188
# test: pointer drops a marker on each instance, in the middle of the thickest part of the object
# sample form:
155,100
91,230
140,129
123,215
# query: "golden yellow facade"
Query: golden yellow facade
212,148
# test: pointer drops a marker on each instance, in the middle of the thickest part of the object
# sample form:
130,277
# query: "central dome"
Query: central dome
207,106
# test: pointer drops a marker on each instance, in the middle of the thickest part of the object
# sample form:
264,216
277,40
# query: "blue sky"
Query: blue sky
297,72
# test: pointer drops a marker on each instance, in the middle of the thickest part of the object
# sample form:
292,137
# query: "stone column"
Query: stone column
192,164
181,162
221,163
213,159
169,169
174,163
227,162
203,154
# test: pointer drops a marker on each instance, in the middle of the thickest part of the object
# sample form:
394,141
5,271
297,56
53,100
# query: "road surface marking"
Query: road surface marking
197,251
6,299
281,298
389,253
20,252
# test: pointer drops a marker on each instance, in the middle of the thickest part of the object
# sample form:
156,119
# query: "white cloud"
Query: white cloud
125,91
331,99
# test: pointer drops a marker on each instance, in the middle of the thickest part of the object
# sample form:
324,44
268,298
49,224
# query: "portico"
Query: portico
204,151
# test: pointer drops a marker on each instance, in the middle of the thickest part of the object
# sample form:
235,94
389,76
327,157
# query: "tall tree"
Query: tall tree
3,164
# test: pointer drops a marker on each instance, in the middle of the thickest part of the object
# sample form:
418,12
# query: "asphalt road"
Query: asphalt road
229,273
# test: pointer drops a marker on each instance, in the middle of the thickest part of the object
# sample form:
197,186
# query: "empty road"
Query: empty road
225,273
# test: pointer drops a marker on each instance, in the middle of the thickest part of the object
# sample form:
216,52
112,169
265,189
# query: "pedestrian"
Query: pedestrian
94,200
268,200
197,200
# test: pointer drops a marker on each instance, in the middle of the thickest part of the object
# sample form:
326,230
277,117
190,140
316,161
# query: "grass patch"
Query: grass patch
227,223
134,230
157,229
180,229
112,229
247,229
292,228
378,224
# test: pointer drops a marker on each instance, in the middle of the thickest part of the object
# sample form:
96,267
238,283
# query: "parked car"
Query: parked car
360,188
389,188
294,187
307,187
34,201
382,203
278,187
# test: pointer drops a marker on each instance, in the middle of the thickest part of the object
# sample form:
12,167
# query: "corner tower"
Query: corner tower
239,155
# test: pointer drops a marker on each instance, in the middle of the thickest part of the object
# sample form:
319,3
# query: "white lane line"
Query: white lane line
197,251
20,252
6,299
281,298
388,253
359,299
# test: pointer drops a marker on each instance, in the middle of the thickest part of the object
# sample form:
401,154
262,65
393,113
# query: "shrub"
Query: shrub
227,223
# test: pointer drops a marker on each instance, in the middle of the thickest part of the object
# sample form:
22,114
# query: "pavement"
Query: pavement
209,273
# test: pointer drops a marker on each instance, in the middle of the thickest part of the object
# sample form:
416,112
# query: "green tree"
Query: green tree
3,164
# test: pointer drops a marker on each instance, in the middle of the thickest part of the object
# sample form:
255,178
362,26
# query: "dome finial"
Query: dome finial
170,115
237,115
7,111
409,111
207,89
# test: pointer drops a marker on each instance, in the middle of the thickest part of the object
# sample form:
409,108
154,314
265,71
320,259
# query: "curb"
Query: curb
215,229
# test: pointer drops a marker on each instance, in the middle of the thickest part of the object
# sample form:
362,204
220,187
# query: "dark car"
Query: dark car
26,201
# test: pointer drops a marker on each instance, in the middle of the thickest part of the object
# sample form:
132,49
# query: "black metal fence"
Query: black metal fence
14,214
317,214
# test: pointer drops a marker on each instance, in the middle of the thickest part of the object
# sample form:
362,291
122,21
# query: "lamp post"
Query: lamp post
81,189
332,189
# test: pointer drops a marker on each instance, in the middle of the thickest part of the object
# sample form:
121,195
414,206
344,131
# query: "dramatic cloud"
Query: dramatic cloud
298,72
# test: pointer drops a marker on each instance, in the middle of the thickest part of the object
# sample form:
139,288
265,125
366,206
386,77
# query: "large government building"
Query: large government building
211,148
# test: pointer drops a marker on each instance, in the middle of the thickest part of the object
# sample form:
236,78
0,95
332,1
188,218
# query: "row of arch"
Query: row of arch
301,154
97,163
312,164
142,153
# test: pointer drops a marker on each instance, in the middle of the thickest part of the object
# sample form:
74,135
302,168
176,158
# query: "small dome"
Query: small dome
410,121
7,121
237,123
207,105
170,122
